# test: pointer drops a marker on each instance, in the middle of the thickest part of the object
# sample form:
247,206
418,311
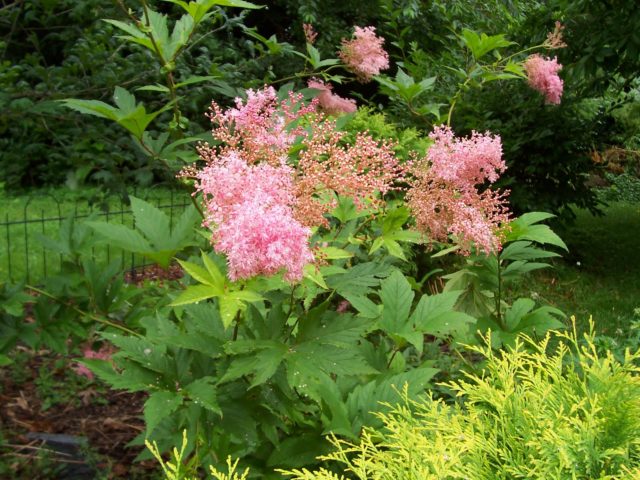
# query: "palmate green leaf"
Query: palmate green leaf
195,294
159,406
313,273
199,273
204,392
436,315
365,306
152,222
200,9
527,227
482,44
397,298
519,309
524,250
262,363
120,236
126,27
229,307
359,279
124,100
91,107
131,377
347,211
342,330
183,231
516,269
299,450
182,31
365,400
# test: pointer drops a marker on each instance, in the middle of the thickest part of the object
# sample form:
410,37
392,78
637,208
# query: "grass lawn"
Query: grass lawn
600,276
24,219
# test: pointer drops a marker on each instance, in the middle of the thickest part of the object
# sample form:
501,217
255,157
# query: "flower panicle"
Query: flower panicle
364,55
542,75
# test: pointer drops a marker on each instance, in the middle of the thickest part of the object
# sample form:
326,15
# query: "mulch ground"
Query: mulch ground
107,419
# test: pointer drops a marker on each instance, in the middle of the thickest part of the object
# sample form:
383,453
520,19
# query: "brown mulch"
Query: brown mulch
153,273
108,419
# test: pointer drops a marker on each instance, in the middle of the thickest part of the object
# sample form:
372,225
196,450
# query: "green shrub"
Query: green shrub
569,414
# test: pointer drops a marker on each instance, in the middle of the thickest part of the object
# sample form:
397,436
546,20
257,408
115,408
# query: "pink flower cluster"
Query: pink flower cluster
364,171
260,208
443,194
330,102
250,209
258,124
465,162
542,74
364,55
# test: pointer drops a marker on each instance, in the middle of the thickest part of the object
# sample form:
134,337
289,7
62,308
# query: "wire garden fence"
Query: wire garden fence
24,258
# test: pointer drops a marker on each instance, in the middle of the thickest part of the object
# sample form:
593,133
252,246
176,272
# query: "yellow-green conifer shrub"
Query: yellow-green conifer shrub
555,409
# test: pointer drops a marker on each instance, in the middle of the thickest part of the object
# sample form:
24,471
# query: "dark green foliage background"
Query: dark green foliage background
58,49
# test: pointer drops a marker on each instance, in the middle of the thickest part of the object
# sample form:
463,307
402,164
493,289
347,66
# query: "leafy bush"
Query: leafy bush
572,413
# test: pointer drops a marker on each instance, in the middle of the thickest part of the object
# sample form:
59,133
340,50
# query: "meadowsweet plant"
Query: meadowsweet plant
444,196
302,316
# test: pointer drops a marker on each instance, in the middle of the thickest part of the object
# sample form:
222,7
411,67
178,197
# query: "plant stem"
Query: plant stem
499,294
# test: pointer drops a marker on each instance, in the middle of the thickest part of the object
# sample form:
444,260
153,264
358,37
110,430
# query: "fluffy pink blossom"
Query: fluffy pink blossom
443,195
263,239
364,55
543,77
330,102
465,162
249,209
104,353
258,124
259,207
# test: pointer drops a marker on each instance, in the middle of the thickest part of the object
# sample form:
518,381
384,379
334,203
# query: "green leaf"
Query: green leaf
152,222
523,250
229,307
397,297
366,308
262,363
333,253
214,271
159,406
198,273
204,392
435,314
195,294
124,100
482,44
196,79
298,451
182,31
91,107
154,88
313,273
120,236
519,309
126,27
